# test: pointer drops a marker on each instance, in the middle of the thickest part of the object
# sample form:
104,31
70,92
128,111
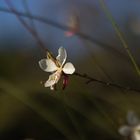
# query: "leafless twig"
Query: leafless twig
91,79
34,33
65,28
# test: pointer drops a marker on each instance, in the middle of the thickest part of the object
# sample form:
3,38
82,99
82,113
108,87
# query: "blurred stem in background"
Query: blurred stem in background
43,112
35,34
120,35
85,76
71,117
108,77
49,117
31,30
66,28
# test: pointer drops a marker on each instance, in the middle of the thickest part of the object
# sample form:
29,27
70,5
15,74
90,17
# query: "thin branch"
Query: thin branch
26,7
65,28
34,33
109,84
85,76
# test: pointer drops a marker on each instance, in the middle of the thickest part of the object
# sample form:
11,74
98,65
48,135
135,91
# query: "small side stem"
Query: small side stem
91,79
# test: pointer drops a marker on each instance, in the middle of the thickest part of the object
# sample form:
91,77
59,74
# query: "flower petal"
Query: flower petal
50,82
47,65
125,130
135,136
132,118
62,55
136,133
68,68
137,128
53,79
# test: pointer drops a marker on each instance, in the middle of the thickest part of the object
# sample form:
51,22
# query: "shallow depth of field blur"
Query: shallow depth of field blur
82,111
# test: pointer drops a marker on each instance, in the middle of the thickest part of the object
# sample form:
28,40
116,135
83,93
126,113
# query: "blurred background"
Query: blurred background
29,111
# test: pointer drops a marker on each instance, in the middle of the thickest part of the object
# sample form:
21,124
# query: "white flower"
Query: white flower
132,129
57,67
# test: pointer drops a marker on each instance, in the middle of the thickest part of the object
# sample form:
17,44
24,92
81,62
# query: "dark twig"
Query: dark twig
65,28
26,7
34,33
91,79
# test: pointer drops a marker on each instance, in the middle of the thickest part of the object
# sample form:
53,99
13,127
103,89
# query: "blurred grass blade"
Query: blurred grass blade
52,119
120,35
